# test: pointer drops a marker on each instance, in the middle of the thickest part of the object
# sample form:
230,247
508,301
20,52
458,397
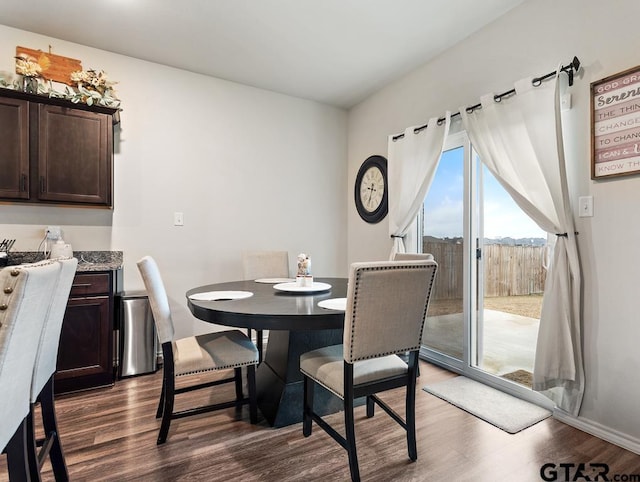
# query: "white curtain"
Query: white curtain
520,141
411,166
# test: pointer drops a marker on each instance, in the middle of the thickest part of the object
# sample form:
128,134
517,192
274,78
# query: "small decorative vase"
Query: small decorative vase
30,85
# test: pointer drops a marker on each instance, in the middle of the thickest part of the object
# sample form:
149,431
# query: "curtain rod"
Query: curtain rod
569,69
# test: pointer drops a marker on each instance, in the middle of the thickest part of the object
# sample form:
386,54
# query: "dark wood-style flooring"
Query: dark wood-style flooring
110,434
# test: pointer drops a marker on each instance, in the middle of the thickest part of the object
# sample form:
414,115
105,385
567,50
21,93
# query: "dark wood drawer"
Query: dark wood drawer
85,284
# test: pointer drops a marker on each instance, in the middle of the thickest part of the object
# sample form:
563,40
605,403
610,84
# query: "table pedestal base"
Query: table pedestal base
280,383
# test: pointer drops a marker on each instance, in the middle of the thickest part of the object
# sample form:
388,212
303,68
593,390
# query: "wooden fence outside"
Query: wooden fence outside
508,270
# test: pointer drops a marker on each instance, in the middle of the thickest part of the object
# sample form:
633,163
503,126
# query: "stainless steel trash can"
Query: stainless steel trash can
138,340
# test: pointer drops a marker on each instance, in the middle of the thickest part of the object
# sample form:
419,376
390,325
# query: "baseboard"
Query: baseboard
598,430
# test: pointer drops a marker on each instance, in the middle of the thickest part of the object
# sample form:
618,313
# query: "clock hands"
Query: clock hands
371,190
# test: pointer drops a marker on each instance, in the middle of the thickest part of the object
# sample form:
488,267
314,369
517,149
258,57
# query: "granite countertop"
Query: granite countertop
87,260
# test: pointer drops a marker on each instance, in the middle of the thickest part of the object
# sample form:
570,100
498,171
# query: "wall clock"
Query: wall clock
371,189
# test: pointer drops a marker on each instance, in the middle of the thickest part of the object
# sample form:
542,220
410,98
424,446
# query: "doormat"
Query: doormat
500,409
523,377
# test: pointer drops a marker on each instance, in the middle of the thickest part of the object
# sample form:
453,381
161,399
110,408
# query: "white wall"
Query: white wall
530,40
249,168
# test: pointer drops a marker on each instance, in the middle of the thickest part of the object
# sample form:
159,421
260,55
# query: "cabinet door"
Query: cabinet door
75,155
85,353
14,148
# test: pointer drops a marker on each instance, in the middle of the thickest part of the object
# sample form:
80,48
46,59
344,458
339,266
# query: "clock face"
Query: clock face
370,191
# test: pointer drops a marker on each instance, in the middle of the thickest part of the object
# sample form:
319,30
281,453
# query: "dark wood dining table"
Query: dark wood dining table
296,325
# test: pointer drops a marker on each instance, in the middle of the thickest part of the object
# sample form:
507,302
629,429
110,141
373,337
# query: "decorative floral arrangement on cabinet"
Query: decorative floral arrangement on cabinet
42,73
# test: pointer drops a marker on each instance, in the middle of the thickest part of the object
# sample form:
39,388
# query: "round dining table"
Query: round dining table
296,325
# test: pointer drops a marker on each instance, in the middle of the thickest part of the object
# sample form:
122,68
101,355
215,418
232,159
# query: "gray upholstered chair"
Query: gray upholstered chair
411,256
386,309
42,383
223,350
25,298
264,264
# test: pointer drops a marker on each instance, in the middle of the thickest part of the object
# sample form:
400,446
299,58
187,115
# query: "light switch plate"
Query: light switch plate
178,219
585,206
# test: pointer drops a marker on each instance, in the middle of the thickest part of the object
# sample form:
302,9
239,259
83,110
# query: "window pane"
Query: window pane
443,237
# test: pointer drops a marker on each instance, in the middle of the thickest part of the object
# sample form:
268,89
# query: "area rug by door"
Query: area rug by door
500,409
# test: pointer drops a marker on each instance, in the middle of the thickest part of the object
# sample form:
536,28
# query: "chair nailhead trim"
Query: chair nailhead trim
225,367
8,290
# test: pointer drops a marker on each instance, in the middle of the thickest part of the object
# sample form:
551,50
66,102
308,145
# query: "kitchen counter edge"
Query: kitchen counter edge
87,260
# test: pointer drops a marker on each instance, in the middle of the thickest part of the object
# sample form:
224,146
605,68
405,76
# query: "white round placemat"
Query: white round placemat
220,295
338,304
294,288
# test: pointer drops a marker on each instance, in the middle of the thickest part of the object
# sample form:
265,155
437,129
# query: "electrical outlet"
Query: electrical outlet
178,219
53,232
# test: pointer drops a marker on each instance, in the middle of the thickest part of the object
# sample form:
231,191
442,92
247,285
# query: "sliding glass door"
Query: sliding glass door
484,312
445,234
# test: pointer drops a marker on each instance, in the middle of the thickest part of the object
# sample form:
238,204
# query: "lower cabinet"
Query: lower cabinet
85,353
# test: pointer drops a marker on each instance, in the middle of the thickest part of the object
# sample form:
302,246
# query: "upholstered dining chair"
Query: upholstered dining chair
264,264
42,382
193,355
411,256
386,308
25,297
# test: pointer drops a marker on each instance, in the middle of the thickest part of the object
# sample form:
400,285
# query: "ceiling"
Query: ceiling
333,51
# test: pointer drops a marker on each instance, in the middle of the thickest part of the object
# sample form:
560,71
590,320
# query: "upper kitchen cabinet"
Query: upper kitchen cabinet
53,151
14,148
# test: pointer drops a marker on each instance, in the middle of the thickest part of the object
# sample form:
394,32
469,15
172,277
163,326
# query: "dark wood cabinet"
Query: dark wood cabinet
14,148
54,151
74,155
85,353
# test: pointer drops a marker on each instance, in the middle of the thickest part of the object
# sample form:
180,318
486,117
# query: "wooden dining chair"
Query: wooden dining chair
408,257
224,350
25,298
411,256
42,391
387,304
264,264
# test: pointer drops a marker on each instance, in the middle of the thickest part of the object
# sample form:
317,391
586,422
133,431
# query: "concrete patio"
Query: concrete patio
509,340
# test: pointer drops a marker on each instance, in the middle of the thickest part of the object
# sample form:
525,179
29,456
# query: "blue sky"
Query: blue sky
443,207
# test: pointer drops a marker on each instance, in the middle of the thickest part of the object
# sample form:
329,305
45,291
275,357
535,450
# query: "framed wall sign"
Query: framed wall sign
615,125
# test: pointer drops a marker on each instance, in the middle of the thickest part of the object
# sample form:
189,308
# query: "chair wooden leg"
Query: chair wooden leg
161,402
307,410
410,408
259,345
16,450
253,398
32,448
238,382
370,406
167,410
49,422
349,423
169,384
